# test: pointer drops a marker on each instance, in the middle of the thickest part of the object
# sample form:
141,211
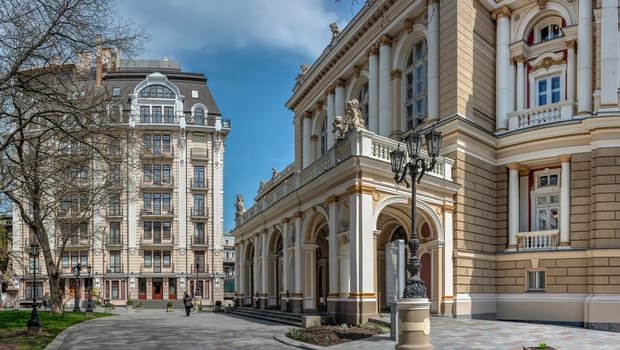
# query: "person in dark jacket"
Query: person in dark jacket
187,302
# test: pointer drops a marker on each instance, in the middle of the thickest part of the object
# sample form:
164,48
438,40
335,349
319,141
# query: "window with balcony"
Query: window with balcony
114,204
199,261
168,114
156,143
115,233
199,176
199,116
115,174
115,261
199,205
415,86
548,90
199,233
546,200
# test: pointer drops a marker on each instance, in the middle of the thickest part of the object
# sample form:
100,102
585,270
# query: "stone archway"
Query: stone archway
322,270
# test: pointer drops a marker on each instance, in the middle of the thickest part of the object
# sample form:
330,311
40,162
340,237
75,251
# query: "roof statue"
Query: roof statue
239,205
353,121
335,31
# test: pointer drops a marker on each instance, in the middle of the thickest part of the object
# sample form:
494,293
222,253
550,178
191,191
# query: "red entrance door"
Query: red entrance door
425,274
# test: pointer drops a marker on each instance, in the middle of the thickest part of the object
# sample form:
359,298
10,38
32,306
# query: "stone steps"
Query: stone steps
289,318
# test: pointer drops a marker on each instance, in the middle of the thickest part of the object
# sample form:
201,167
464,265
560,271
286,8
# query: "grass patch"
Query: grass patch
14,332
331,335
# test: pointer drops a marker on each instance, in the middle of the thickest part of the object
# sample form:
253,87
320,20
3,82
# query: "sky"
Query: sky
250,51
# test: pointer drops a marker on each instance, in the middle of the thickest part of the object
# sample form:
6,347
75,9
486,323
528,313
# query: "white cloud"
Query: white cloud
297,26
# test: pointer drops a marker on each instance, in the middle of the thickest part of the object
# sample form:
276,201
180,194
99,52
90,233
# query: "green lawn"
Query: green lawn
14,332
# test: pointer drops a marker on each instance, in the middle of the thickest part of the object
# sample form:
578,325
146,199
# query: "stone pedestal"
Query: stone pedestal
262,303
12,298
297,305
414,324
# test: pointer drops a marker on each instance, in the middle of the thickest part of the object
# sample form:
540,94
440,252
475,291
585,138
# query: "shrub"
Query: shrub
129,302
139,304
218,303
109,306
98,302
169,303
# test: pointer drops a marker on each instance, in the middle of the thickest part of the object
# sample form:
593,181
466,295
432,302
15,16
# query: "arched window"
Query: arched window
156,91
323,139
547,29
362,97
415,86
199,116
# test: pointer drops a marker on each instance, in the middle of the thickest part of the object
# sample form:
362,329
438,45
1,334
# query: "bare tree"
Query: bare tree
58,142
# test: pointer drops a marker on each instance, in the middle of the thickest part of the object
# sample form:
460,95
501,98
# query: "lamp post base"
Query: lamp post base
414,324
34,326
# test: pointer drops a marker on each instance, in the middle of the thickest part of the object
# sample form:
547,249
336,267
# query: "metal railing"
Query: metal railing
198,212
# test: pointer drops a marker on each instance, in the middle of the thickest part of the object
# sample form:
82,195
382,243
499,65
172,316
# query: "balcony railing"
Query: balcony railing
198,184
115,211
547,114
115,240
538,240
162,151
361,144
70,212
167,181
149,119
199,241
157,211
198,212
199,154
152,268
157,240
114,268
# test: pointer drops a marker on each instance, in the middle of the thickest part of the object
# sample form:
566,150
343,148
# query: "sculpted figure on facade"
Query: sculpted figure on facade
335,30
353,121
239,205
300,77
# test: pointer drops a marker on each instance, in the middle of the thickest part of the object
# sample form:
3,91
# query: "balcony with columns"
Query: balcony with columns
543,115
359,144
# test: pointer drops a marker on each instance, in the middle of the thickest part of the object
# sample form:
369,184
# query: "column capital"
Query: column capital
360,189
329,90
519,59
307,115
314,138
571,44
409,25
503,11
524,171
340,83
331,199
448,208
285,221
357,70
397,74
319,105
373,50
565,158
513,166
297,215
384,41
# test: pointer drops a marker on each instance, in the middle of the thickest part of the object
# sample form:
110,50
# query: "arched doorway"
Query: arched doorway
249,274
274,276
322,270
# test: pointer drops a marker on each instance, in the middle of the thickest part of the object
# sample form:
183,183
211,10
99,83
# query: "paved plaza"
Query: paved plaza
157,329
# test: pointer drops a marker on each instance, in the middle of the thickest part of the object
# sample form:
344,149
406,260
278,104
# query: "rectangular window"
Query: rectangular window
199,261
65,260
147,258
116,91
115,290
166,173
166,258
115,233
156,232
535,280
199,205
156,261
84,260
148,230
166,202
167,228
148,173
145,114
147,202
156,114
199,233
115,261
147,143
169,115
549,90
166,143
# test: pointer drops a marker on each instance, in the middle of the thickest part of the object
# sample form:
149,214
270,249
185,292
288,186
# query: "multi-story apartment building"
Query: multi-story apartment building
229,266
518,220
160,228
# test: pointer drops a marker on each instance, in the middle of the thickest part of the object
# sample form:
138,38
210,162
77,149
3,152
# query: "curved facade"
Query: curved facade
517,221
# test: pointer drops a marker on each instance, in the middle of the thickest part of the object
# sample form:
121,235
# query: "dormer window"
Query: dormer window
156,91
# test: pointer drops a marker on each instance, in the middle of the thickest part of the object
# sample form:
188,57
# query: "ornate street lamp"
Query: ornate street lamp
415,167
34,324
76,273
89,306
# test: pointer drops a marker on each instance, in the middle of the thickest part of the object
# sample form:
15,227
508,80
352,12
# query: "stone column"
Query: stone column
385,72
339,98
256,268
306,147
565,202
285,257
333,293
264,290
584,58
447,301
331,113
373,89
570,70
239,263
502,67
609,54
297,301
513,206
520,62
433,59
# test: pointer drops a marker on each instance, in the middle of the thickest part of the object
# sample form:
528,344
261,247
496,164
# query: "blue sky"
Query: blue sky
250,52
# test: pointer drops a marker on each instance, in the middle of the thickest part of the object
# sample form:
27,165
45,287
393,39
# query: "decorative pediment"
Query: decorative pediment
547,60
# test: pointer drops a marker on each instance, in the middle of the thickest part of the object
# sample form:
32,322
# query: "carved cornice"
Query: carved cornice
397,74
298,214
340,83
384,41
448,208
503,11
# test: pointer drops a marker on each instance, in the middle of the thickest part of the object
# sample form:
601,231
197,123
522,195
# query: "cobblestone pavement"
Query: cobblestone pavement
160,330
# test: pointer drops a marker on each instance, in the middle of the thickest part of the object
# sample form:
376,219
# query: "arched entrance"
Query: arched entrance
322,270
274,277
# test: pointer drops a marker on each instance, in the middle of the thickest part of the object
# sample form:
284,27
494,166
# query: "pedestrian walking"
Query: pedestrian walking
187,302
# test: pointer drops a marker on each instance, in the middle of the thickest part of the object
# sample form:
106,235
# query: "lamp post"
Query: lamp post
89,306
34,325
415,291
76,273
